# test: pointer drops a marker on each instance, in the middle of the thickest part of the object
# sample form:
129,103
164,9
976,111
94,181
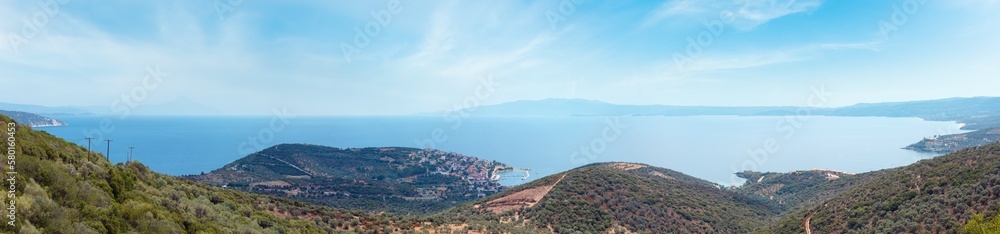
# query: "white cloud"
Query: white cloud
674,8
757,12
746,15
449,50
438,41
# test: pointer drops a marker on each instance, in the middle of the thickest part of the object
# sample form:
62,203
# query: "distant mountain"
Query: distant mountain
32,120
976,113
953,109
180,106
583,107
45,110
393,179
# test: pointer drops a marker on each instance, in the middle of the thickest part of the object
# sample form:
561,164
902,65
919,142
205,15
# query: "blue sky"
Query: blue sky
250,57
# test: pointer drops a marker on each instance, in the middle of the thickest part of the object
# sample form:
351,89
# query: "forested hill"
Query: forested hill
393,179
931,196
976,112
615,197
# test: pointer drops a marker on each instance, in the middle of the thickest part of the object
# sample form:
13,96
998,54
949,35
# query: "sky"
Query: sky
380,57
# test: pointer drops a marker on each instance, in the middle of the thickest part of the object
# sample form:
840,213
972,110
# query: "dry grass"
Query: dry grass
626,166
523,198
273,183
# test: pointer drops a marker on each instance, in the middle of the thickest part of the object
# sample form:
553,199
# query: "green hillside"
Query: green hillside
959,192
59,190
934,195
616,197
788,191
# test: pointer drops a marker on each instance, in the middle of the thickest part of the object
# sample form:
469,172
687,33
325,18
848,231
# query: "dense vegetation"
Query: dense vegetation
637,198
788,191
392,179
979,225
932,195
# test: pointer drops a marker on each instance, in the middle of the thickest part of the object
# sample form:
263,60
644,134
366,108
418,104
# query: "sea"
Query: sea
707,147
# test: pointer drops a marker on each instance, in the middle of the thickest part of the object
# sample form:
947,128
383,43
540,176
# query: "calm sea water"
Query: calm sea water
708,147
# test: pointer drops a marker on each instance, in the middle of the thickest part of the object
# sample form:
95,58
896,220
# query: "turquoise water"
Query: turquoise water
708,147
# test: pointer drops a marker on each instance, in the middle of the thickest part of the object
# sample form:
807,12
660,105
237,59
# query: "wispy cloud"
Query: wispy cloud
748,60
712,63
866,45
675,8
746,15
757,12
448,51
433,53
438,41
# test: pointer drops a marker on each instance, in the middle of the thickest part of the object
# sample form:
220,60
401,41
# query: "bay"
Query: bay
708,147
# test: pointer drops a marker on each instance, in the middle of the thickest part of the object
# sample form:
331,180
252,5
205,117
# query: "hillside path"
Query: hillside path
805,223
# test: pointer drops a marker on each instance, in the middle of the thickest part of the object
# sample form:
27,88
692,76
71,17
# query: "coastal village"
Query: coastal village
475,172
417,174
954,142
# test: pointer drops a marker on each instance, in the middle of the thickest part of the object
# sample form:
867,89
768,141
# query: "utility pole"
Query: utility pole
130,148
88,147
108,152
